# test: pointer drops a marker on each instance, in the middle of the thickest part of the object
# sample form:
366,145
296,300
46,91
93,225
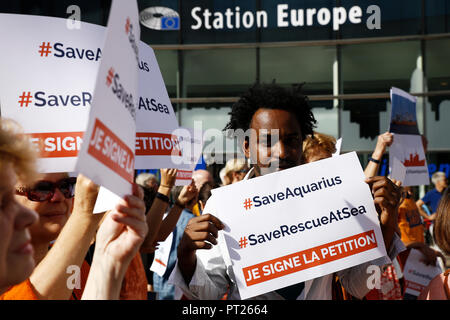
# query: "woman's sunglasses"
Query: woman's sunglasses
45,190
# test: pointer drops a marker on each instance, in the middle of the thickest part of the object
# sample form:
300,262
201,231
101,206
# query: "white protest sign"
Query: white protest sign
155,124
106,200
407,146
398,170
280,231
159,265
407,150
191,145
107,156
156,144
46,83
62,60
417,274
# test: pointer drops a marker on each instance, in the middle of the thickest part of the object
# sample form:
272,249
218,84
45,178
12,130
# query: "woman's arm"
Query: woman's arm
186,199
50,276
384,140
158,208
118,240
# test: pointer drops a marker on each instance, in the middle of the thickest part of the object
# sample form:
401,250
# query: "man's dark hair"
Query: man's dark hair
272,96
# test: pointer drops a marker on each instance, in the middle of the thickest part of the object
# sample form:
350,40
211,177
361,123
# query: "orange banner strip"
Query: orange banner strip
107,148
157,144
309,258
57,144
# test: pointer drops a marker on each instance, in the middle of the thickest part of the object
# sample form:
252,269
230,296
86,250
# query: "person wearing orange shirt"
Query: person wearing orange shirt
52,197
409,220
73,230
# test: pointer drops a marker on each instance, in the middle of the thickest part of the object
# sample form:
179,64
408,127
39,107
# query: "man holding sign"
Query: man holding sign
208,274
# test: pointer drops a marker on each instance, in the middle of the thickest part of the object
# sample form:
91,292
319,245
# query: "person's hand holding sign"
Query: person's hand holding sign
386,196
200,233
117,243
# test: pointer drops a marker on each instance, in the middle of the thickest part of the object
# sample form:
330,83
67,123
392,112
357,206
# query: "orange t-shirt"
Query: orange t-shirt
409,222
134,285
21,291
25,290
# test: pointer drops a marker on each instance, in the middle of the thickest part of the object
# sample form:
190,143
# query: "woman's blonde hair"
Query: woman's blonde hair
16,147
318,141
233,165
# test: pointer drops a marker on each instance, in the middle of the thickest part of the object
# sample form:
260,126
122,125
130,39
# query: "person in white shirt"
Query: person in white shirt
207,273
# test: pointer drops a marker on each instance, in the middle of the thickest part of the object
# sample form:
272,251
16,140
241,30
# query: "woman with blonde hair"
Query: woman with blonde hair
17,161
318,146
235,170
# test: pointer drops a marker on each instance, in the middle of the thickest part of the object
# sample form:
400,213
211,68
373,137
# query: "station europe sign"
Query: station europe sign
162,18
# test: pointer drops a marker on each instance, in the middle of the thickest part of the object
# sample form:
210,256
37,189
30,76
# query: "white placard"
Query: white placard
156,144
59,91
46,83
107,156
407,146
408,150
417,274
280,231
398,170
159,265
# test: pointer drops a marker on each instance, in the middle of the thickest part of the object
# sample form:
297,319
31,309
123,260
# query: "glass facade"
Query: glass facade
348,54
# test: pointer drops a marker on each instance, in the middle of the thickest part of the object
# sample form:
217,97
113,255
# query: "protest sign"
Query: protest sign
407,147
403,115
417,274
107,156
159,265
398,171
156,144
280,231
59,91
46,83
407,150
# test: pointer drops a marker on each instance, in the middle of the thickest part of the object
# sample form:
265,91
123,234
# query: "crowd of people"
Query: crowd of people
53,247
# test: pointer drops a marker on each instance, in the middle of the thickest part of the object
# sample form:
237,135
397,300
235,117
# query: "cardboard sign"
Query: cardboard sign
417,274
407,151
46,83
107,154
280,231
156,144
